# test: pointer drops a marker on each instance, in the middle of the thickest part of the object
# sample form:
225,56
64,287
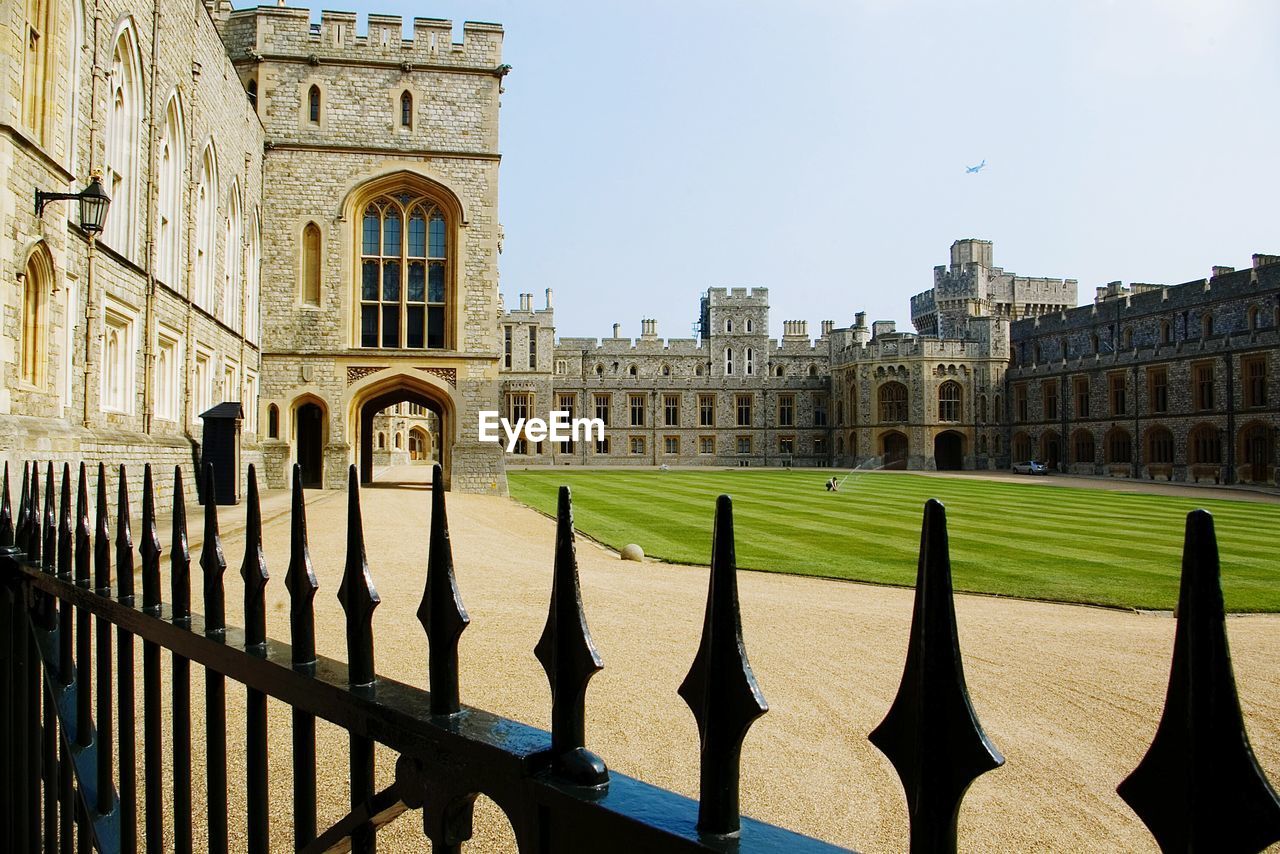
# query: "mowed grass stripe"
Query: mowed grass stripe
1010,538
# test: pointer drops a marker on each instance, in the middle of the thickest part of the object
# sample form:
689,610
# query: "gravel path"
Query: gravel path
1071,695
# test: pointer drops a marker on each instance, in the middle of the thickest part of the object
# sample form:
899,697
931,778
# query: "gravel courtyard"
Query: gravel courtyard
1071,695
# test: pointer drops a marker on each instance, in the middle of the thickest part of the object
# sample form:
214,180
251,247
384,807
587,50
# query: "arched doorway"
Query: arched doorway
407,407
948,451
1051,450
1257,449
895,449
309,438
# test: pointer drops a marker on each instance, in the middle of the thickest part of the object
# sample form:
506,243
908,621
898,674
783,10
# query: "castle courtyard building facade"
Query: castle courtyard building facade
304,221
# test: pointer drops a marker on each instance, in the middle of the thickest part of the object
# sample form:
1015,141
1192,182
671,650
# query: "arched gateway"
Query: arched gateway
384,392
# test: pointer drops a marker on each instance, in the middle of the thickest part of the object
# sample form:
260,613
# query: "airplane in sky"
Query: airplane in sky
975,169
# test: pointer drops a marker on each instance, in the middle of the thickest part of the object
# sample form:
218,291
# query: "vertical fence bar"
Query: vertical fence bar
720,687
254,571
359,599
66,675
124,670
153,760
102,587
84,646
300,580
49,621
212,568
180,585
9,742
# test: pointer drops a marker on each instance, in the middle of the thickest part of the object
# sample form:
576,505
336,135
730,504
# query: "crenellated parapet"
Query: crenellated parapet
277,32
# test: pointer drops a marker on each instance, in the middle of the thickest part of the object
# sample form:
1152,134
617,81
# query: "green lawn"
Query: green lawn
1019,538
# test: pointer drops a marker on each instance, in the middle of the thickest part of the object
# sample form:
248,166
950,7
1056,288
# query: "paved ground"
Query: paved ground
1070,695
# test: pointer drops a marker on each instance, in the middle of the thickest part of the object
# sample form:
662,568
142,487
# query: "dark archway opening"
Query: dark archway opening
409,423
1051,451
948,451
309,426
895,451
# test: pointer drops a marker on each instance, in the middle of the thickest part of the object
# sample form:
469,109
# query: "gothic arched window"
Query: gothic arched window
36,71
124,119
311,264
949,408
206,236
37,282
893,402
172,167
406,109
233,284
313,105
404,273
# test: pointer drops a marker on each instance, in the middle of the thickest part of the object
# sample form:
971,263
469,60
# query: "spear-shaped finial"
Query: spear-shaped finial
50,530
150,546
569,657
720,688
1199,788
931,733
66,533
124,541
180,555
442,613
213,564
300,580
22,533
7,538
102,539
254,570
357,594
83,558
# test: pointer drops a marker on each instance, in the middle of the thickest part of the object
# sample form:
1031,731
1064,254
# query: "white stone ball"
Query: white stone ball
632,552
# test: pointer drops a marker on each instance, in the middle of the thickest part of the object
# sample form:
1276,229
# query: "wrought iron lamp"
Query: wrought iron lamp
93,204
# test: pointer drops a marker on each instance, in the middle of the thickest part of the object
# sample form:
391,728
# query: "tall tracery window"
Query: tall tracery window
232,290
206,237
728,361
172,167
949,402
124,119
253,277
36,73
404,273
893,402
406,109
37,283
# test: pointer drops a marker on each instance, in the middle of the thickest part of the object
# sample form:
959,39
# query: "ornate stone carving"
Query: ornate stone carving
355,373
449,375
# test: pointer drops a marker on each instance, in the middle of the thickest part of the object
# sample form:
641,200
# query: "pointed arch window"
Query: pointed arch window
313,105
728,361
37,283
406,110
233,282
252,91
36,73
949,408
172,166
206,237
124,118
253,277
404,273
750,362
311,264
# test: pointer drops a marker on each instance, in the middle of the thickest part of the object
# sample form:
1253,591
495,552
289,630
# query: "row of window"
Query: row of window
120,347
1107,343
636,446
1204,393
315,98
520,405
1204,446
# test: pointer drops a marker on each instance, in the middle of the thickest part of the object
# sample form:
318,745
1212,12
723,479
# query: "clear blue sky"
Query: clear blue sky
651,150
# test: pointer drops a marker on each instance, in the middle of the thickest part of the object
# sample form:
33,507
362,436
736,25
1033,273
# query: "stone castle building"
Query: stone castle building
304,221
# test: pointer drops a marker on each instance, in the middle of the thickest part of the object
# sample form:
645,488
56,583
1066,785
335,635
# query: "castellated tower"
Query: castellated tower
736,325
380,277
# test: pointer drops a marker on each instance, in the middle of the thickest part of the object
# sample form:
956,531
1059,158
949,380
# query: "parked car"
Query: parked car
1030,467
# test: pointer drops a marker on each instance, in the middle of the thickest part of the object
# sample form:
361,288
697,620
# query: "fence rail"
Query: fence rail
68,722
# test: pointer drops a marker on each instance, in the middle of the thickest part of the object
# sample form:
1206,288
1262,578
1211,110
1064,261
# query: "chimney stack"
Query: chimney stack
827,327
860,320
1222,271
617,329
648,328
548,298
526,302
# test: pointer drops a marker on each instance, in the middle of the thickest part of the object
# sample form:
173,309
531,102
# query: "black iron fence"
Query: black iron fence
68,721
